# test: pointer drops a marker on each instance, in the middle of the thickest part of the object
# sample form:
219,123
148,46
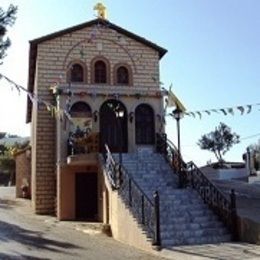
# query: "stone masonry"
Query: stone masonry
54,54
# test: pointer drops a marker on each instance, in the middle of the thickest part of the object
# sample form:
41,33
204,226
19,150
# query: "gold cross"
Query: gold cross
101,10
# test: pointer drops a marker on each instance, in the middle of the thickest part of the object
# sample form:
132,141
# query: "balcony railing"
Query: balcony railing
82,143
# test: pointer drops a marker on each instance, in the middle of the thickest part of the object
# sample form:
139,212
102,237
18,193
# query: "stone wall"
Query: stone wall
23,171
54,58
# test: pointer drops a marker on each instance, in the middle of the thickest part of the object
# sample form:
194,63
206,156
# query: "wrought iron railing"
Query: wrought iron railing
112,170
145,211
172,156
190,175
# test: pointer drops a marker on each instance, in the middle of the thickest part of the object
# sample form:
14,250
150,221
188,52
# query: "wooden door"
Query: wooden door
113,127
144,125
86,196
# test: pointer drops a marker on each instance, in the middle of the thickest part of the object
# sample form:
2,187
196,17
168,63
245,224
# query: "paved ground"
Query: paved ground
248,197
24,235
27,236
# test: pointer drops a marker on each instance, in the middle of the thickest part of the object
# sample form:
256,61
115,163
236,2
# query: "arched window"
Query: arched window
77,73
122,76
100,72
144,125
80,109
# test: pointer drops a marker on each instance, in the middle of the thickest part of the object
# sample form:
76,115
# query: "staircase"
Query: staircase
184,218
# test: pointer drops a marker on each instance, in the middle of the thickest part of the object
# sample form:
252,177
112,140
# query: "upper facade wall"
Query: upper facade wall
55,56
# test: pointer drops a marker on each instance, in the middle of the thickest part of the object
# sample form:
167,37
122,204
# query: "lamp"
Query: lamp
119,112
131,117
178,114
95,116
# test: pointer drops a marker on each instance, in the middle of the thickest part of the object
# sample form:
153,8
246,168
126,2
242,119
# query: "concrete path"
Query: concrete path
24,235
248,197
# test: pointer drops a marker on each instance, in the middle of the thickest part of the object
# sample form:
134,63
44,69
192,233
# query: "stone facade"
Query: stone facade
51,58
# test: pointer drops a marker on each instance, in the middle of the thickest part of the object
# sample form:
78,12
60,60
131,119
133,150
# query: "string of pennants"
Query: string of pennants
242,109
60,113
64,113
173,101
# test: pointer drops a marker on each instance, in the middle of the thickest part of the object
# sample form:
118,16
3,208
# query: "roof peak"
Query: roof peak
100,21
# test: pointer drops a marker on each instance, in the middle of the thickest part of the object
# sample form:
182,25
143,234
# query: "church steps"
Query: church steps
184,218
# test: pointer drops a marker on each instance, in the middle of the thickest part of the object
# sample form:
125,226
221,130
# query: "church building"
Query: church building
97,134
104,82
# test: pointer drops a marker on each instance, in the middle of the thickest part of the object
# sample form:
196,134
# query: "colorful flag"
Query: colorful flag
173,101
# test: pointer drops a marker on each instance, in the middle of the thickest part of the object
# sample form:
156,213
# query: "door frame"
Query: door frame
110,121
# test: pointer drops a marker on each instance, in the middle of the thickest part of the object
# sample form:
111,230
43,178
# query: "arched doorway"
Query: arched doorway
113,126
81,115
81,118
144,125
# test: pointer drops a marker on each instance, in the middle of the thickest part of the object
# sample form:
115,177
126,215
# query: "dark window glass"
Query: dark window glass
100,72
80,109
77,73
122,75
144,125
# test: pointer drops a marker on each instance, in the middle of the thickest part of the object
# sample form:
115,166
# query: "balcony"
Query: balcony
83,148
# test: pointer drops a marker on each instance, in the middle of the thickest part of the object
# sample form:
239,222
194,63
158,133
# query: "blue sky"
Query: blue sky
213,58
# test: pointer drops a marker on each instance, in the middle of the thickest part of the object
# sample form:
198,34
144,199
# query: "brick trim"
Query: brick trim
85,71
130,74
92,65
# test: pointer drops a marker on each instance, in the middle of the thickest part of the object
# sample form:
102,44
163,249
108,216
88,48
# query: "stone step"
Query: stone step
196,241
193,233
185,218
191,226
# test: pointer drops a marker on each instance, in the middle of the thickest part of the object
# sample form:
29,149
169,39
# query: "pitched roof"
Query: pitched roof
34,43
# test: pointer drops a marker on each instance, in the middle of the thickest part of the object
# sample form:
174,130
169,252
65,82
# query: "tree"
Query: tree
7,18
255,154
3,148
219,141
2,135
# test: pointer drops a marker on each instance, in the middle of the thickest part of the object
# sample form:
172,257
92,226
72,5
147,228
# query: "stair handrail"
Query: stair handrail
194,177
111,169
171,154
142,207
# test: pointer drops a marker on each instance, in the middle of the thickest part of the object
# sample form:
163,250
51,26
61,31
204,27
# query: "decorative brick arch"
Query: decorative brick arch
130,74
81,109
84,68
92,65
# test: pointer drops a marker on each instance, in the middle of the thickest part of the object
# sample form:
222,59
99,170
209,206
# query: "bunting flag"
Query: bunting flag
242,109
63,114
223,111
55,112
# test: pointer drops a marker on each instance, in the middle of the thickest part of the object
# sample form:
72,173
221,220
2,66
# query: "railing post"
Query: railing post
192,175
118,176
130,192
233,215
157,232
142,208
164,144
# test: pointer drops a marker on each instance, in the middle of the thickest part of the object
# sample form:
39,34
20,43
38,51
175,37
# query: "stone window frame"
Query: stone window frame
130,74
85,72
107,63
